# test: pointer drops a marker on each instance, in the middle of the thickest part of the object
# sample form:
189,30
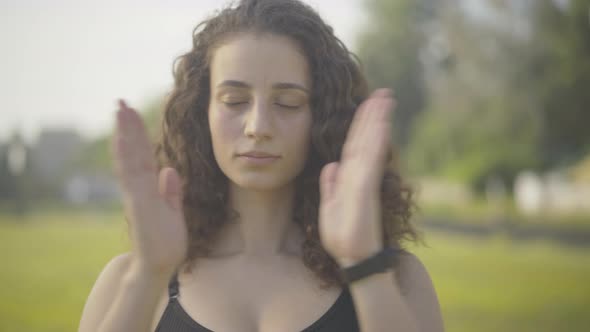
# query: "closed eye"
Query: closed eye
287,106
235,103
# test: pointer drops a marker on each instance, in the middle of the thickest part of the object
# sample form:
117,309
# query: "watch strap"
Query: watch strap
380,262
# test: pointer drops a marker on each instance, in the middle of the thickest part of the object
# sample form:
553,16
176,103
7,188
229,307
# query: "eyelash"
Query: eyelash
280,105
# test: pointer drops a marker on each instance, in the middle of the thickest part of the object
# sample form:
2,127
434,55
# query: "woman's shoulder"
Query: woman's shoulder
419,292
408,267
119,263
103,292
114,270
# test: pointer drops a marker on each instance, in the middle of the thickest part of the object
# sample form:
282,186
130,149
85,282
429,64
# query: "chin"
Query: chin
261,182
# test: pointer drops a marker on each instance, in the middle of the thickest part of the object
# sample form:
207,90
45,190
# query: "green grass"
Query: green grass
497,285
49,264
480,212
50,261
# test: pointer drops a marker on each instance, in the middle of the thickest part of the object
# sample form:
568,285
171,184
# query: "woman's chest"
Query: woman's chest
261,299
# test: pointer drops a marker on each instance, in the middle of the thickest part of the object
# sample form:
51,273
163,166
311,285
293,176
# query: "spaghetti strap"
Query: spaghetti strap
173,287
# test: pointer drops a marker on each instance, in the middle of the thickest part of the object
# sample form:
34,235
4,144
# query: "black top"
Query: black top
341,317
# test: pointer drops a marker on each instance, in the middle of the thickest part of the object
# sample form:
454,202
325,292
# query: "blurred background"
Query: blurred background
492,130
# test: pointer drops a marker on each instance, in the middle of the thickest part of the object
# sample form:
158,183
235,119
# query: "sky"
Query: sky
64,63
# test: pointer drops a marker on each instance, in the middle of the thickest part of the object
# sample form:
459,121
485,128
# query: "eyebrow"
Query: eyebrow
279,86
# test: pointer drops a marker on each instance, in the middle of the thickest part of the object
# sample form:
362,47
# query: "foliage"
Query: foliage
503,95
96,155
474,145
559,67
389,50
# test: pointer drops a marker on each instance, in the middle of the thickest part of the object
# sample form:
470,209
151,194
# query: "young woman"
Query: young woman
272,204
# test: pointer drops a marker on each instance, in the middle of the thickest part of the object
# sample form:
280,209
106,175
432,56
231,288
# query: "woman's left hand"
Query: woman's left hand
350,205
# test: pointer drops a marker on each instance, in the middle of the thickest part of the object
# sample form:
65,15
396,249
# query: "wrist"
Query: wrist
382,261
351,260
139,272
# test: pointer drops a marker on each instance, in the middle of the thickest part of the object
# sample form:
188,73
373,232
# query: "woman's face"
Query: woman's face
260,92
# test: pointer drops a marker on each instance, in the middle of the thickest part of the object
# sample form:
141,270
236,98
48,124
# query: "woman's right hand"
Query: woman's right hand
152,200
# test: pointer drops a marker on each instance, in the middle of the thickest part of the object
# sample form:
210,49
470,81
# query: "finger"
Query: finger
170,187
384,128
369,148
362,122
378,139
133,132
376,113
328,179
350,145
133,153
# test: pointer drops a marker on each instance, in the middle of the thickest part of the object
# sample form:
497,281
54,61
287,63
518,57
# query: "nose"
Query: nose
259,122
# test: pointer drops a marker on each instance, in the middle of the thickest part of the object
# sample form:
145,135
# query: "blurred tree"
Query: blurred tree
559,70
472,146
95,156
7,181
16,176
389,49
510,91
479,124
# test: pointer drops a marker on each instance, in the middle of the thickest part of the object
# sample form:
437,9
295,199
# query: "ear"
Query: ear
328,178
170,187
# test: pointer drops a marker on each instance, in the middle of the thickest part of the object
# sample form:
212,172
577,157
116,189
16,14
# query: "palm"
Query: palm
350,209
151,202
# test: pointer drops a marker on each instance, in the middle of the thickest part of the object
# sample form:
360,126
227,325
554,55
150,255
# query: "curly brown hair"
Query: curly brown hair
338,88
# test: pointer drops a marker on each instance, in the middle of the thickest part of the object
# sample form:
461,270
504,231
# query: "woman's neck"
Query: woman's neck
265,226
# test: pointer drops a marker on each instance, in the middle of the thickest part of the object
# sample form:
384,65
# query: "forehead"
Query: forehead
259,59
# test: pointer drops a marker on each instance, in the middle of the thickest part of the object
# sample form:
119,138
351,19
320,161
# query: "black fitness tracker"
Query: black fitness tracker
380,262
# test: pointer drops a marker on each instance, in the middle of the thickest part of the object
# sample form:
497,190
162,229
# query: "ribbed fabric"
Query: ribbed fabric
341,317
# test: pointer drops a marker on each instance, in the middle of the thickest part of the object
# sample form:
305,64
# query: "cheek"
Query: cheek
224,128
300,138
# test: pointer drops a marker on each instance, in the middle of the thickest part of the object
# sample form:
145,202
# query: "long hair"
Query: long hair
338,88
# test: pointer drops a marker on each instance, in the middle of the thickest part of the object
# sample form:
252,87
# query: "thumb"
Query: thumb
328,178
170,187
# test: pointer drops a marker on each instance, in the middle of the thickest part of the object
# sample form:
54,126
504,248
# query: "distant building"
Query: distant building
54,151
84,189
553,192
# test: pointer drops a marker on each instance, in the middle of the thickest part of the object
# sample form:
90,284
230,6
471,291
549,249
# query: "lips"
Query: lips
258,158
258,154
